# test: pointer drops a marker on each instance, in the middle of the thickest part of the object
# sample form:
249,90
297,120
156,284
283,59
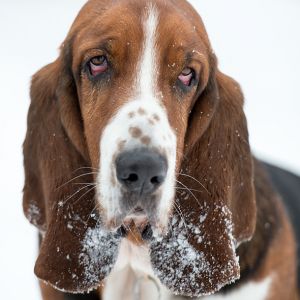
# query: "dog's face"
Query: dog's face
138,78
136,95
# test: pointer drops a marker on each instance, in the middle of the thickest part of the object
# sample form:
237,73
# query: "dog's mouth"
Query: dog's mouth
138,211
136,226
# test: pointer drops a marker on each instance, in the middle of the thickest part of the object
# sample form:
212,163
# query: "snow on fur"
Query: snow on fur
99,254
183,261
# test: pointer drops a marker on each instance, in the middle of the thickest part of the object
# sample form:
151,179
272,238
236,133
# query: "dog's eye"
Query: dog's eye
186,76
98,65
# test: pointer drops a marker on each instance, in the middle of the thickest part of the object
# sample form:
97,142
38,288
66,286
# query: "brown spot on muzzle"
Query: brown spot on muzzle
151,121
131,115
146,140
135,132
142,112
156,117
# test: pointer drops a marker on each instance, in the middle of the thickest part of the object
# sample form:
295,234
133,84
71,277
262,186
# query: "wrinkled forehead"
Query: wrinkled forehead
117,24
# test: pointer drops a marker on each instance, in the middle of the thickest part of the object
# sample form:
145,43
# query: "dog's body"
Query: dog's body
138,170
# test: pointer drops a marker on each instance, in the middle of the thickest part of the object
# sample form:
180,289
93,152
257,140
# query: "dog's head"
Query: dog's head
137,81
136,99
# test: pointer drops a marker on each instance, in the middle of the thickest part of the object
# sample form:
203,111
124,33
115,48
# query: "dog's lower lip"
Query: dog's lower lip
138,211
146,234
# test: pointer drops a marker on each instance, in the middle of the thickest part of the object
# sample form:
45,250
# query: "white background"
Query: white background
257,42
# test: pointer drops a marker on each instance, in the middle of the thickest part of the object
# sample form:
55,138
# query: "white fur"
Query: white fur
132,266
148,67
159,131
135,256
133,273
132,277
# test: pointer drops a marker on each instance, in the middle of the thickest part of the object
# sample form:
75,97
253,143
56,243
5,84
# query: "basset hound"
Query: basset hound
138,170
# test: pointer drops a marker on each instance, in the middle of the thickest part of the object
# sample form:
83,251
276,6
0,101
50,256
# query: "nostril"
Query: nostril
132,178
156,180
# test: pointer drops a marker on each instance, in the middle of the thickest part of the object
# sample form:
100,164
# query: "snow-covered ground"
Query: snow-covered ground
257,42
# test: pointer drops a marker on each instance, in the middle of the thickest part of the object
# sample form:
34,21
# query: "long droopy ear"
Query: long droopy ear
74,255
215,208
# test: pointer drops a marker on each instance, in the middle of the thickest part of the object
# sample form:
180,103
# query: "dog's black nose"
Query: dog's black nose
141,171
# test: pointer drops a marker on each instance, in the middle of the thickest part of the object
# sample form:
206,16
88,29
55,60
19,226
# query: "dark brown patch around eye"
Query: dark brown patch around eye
146,140
135,132
142,112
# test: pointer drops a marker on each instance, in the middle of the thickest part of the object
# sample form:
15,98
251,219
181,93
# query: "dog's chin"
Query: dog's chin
137,225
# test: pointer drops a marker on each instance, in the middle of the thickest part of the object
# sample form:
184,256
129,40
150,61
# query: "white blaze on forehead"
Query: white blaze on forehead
147,74
144,114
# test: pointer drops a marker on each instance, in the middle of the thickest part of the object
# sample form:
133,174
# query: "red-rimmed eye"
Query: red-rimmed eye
186,76
98,65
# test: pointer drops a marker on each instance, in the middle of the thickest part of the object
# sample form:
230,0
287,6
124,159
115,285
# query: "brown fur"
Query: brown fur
68,114
49,293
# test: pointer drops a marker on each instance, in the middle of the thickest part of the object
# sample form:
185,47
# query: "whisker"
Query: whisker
91,189
66,200
176,206
91,213
189,176
180,188
83,168
189,192
75,179
87,183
